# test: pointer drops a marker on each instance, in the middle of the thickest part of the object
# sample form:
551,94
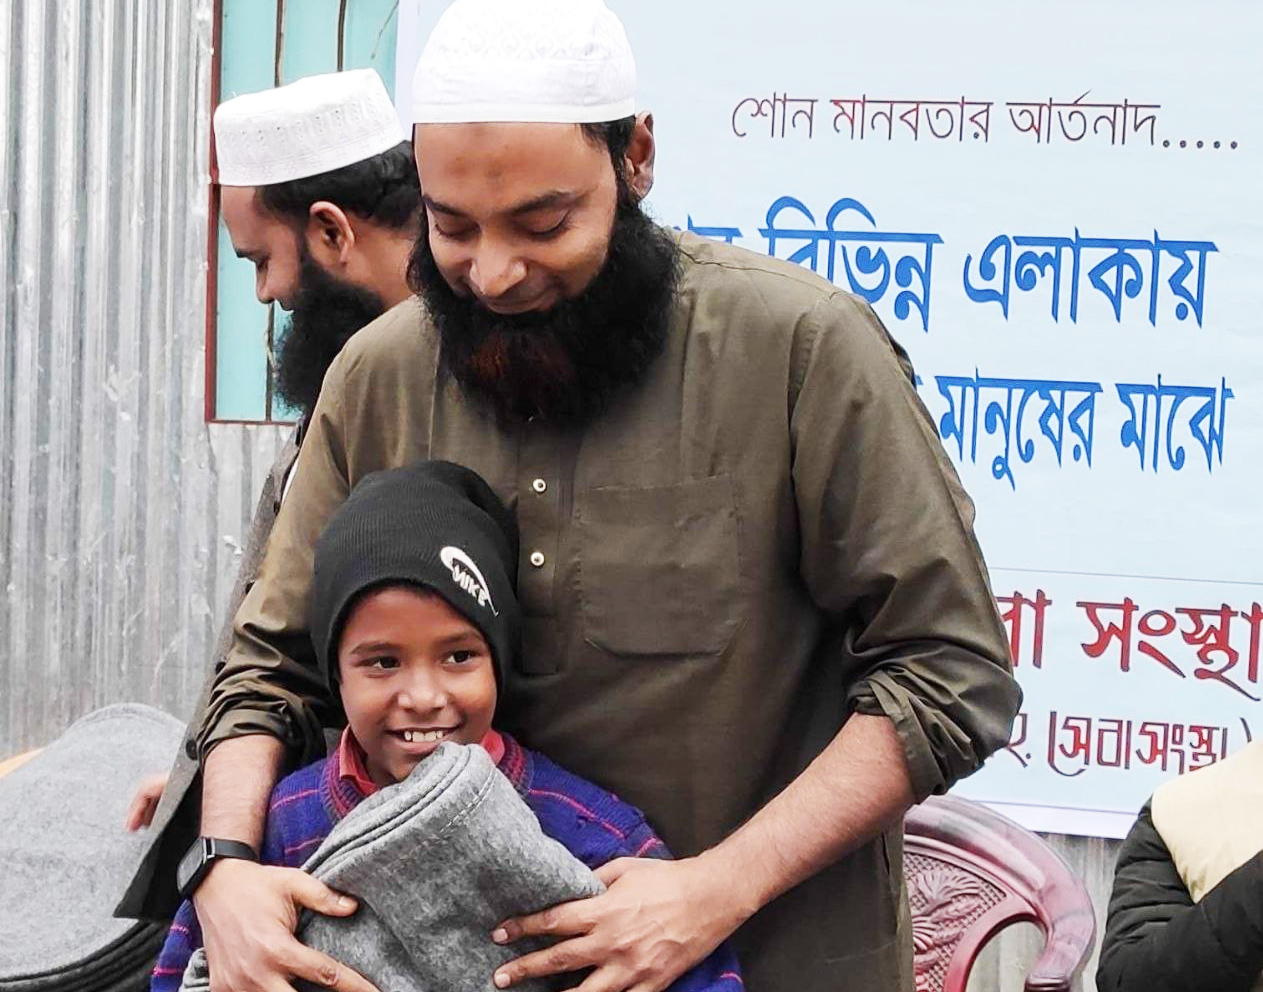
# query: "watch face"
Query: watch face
193,859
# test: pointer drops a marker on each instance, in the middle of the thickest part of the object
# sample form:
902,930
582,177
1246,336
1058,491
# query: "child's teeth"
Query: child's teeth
412,736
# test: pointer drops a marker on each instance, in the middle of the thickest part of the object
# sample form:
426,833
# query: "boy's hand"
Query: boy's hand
145,802
655,920
248,913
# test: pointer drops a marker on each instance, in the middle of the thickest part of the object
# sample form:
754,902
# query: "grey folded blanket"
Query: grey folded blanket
436,862
65,857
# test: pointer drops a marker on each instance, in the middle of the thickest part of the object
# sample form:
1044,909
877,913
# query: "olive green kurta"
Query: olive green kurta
760,538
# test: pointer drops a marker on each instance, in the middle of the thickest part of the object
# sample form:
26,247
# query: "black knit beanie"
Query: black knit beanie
434,525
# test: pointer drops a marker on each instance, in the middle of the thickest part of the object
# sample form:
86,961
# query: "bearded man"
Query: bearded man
328,227
753,601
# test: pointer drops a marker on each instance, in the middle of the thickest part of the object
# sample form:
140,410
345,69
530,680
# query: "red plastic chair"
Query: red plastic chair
971,872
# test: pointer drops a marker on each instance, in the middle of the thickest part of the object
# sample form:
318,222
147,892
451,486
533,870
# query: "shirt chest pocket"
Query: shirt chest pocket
660,568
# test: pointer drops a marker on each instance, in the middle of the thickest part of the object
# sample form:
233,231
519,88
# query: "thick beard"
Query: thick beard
563,366
327,313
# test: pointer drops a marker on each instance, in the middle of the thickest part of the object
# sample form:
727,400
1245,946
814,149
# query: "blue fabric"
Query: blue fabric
590,822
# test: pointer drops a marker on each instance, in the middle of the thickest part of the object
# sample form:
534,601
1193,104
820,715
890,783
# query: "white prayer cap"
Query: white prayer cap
311,126
552,61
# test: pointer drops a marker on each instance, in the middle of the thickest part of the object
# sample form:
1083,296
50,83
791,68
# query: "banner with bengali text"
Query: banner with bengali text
1057,209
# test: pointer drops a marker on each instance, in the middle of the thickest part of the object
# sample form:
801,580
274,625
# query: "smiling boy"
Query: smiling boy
414,673
414,617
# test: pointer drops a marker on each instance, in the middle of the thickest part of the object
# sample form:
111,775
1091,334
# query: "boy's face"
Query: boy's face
414,673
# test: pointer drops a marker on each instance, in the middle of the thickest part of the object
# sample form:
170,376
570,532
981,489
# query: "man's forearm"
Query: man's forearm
854,789
237,779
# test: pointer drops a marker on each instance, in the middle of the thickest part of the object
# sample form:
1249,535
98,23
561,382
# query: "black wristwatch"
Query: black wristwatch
204,853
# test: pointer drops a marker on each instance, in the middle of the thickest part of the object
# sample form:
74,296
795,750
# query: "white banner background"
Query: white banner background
1169,527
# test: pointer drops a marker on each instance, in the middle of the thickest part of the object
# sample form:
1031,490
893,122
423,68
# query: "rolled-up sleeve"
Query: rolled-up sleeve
889,552
269,682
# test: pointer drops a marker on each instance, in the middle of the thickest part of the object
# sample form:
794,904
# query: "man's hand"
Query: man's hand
141,810
659,918
655,921
248,913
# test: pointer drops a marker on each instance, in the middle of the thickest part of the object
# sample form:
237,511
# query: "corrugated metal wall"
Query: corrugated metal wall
121,510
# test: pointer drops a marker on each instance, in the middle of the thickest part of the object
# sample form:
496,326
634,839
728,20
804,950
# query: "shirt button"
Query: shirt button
539,485
537,558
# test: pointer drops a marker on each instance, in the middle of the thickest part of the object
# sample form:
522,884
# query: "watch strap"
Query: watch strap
203,854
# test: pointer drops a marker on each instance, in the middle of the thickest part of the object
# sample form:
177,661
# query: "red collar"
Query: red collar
353,768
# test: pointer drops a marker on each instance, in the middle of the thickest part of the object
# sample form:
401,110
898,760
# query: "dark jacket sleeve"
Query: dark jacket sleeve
1158,940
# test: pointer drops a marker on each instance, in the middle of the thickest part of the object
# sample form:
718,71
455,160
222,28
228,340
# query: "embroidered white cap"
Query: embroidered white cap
310,126
554,61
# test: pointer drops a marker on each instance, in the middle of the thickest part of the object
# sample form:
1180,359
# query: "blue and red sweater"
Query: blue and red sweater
592,824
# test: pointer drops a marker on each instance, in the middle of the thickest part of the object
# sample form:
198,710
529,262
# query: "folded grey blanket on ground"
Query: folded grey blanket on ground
436,862
66,856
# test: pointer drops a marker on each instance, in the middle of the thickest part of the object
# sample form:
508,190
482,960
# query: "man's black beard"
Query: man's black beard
565,365
327,312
